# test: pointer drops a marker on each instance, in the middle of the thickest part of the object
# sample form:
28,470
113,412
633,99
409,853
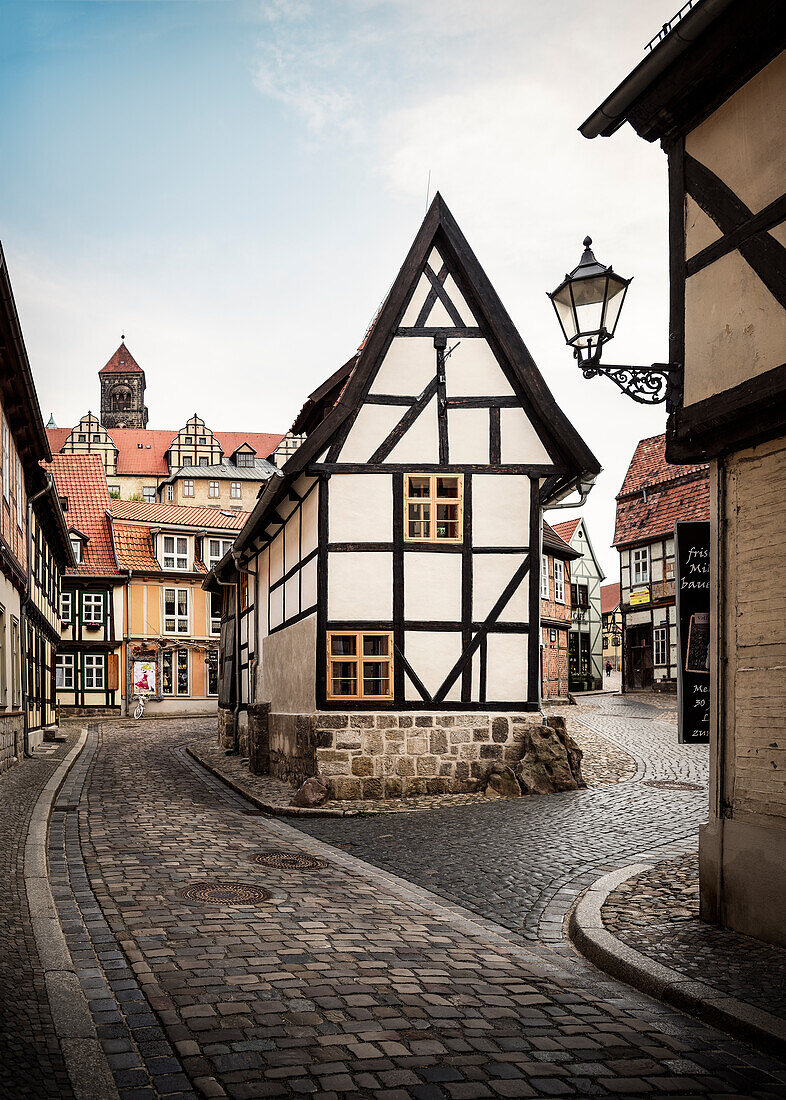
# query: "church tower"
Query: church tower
123,392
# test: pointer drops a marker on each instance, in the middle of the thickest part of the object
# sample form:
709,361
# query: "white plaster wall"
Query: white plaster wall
292,597
288,668
506,671
309,520
277,607
360,586
473,371
519,440
490,575
276,558
292,541
360,508
640,617
500,509
468,435
309,584
459,301
421,442
261,604
432,586
372,426
432,654
438,316
408,367
416,302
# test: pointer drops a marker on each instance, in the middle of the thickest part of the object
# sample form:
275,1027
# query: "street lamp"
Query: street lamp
588,303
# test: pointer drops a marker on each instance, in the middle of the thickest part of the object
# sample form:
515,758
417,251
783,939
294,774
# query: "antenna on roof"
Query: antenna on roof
428,188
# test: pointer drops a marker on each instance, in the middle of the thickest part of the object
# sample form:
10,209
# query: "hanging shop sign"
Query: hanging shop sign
692,558
639,596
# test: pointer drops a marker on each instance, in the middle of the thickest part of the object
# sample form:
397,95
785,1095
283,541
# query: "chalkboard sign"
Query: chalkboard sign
692,557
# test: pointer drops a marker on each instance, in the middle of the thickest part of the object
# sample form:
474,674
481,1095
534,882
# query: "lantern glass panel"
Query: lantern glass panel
563,304
616,297
589,297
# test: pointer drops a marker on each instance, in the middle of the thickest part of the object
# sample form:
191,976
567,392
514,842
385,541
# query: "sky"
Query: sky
234,185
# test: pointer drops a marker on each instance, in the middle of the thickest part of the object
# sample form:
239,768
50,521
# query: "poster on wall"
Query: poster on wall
144,677
692,584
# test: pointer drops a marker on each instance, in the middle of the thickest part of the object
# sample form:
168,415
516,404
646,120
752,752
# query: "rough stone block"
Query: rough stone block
445,720
469,752
427,765
332,721
405,721
332,756
324,739
363,765
394,788
342,787
437,786
461,770
394,748
480,735
405,765
373,743
417,746
500,729
373,787
459,736
385,721
424,719
491,752
480,769
362,721
446,769
415,787
395,734
438,742
511,752
348,739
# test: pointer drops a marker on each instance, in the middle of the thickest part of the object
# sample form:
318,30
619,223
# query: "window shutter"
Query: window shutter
112,672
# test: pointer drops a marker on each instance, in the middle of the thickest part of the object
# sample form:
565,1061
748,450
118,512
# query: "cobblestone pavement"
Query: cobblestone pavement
657,913
30,1061
344,980
523,863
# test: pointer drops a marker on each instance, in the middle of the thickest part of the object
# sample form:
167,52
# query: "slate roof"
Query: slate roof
140,511
122,362
227,471
567,529
655,495
81,479
143,450
609,598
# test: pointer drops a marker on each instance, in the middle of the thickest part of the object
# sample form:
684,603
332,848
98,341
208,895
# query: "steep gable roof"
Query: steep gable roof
649,466
122,362
440,230
81,479
555,544
609,597
567,529
134,547
656,494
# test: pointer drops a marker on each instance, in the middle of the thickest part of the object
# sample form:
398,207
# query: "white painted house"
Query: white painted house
389,578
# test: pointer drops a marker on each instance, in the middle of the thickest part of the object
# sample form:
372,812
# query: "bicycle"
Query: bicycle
140,707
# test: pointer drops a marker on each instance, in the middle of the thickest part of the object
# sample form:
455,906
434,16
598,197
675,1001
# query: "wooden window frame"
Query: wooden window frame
97,664
559,581
544,577
188,486
92,600
64,662
179,560
357,660
235,490
176,618
433,500
211,486
642,563
660,640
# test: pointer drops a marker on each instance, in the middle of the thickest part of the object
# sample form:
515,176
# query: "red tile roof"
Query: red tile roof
555,544
140,511
655,495
134,547
121,362
567,528
609,598
80,478
143,450
649,466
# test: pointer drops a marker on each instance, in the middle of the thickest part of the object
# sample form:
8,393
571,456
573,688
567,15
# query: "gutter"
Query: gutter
613,112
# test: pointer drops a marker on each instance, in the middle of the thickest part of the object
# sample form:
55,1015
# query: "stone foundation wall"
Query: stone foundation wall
225,736
292,747
259,738
11,741
400,755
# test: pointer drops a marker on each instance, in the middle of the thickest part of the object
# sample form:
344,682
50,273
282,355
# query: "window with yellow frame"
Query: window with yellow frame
360,665
433,507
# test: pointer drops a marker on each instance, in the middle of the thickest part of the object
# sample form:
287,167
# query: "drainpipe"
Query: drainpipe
23,615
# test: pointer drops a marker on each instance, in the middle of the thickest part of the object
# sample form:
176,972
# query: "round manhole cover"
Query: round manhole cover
672,785
224,893
289,861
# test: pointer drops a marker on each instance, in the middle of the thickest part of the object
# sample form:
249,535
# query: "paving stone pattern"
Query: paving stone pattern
657,913
30,1061
523,863
349,981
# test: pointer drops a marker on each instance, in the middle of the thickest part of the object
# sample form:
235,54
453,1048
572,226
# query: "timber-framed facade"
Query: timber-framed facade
410,518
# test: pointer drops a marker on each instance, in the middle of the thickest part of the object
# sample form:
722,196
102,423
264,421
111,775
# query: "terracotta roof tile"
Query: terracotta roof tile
567,528
177,514
80,478
609,597
641,520
143,450
121,362
134,547
556,544
649,466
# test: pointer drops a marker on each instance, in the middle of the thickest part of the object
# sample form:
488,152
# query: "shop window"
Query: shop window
360,665
182,672
212,672
433,507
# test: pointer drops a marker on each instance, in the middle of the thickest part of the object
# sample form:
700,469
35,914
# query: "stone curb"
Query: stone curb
272,808
606,951
83,1055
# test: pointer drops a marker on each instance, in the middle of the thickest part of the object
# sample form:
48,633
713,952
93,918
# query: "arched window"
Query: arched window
121,399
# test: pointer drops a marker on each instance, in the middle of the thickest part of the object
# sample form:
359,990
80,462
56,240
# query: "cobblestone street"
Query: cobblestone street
346,979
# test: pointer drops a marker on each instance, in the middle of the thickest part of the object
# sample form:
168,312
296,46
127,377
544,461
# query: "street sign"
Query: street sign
692,558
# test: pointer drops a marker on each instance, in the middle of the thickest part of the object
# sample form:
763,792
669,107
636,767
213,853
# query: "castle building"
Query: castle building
194,466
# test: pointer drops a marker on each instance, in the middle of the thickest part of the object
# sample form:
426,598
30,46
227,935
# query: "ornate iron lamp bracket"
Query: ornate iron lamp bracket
647,385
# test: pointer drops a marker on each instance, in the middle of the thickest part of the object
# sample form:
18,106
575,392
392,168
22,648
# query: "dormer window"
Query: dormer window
175,552
76,546
244,458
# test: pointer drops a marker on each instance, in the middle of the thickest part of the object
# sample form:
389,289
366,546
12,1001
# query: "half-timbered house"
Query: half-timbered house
556,607
586,636
712,91
395,564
